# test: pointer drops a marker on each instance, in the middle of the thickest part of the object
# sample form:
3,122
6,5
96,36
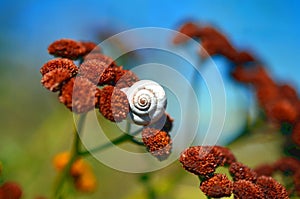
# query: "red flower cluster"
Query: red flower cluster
288,166
240,171
113,104
71,49
158,142
97,83
10,190
213,43
203,161
78,86
279,102
217,186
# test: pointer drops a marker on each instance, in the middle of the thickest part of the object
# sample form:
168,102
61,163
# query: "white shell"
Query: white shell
147,100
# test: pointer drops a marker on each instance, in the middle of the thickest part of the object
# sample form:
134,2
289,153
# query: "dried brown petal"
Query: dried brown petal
108,77
67,48
90,47
281,110
78,95
214,42
240,171
271,188
296,133
92,69
287,165
189,29
113,104
229,157
165,123
243,57
266,94
59,63
256,75
217,186
288,92
106,59
296,179
54,79
97,97
202,160
124,78
158,143
244,189
239,74
10,190
208,49
264,170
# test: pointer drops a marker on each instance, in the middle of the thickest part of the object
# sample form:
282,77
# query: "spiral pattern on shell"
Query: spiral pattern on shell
147,100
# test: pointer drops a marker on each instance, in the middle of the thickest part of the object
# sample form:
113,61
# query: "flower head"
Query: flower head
244,189
86,182
90,47
229,157
202,160
271,188
158,142
101,57
296,133
264,170
266,95
10,190
243,57
240,171
189,29
67,48
165,123
54,79
92,69
296,180
124,78
217,186
281,110
81,172
59,63
113,104
78,95
288,92
287,165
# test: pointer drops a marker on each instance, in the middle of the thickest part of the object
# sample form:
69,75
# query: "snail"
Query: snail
147,101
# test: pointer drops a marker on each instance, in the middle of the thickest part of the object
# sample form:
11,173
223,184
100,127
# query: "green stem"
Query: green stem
64,174
118,140
145,179
135,141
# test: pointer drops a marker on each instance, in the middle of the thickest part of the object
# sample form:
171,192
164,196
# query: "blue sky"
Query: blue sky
268,27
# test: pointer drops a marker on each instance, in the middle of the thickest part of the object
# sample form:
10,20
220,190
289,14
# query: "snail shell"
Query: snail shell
147,101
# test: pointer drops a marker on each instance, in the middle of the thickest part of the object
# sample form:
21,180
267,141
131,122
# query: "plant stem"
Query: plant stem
118,140
135,141
145,179
64,174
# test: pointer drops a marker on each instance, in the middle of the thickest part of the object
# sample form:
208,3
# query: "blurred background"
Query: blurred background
34,126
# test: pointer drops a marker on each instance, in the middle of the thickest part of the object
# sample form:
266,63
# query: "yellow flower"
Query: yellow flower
61,160
86,182
81,171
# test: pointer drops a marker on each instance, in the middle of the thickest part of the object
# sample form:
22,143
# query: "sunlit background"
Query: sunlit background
34,126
